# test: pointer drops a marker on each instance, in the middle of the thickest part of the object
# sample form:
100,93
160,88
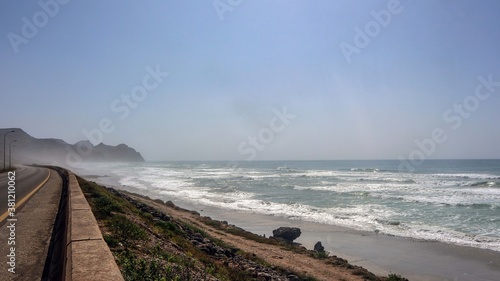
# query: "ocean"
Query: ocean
451,201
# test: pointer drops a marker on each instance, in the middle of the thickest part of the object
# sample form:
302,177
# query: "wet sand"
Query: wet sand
380,254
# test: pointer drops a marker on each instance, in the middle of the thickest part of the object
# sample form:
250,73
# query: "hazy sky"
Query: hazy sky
256,79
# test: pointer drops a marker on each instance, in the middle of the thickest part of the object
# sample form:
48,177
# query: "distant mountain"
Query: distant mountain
30,150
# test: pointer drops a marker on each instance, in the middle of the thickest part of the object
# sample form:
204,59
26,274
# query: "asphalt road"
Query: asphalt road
27,179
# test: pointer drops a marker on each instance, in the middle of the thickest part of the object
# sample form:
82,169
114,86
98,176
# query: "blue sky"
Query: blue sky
230,71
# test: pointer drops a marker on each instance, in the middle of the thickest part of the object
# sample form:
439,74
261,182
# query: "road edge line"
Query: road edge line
28,196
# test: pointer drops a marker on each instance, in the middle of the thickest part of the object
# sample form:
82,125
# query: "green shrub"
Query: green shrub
111,241
395,277
321,255
104,206
125,230
102,202
134,268
169,228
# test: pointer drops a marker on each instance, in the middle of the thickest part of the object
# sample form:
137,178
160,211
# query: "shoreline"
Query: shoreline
379,253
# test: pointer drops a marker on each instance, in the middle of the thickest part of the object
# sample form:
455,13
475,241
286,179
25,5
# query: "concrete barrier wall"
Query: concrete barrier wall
87,255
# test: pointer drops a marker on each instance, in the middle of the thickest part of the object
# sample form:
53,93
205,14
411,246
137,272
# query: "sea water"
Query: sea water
452,201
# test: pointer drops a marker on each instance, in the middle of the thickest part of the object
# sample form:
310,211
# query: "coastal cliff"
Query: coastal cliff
30,150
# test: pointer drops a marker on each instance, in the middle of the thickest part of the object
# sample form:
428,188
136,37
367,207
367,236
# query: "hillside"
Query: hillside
30,150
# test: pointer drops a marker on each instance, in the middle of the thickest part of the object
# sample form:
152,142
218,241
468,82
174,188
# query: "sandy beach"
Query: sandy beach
380,254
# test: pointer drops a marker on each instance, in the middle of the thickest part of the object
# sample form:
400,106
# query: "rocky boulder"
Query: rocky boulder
287,233
318,247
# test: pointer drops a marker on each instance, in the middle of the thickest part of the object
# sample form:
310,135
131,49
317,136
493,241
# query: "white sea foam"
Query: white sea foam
458,208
